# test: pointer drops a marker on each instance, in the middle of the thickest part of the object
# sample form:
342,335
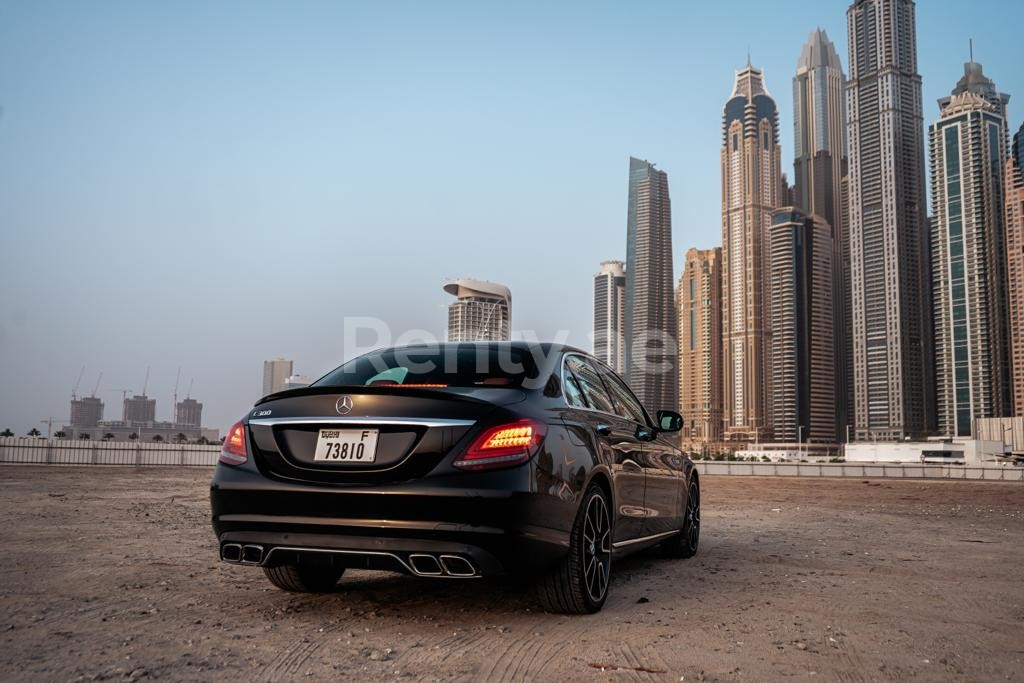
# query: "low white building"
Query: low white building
963,451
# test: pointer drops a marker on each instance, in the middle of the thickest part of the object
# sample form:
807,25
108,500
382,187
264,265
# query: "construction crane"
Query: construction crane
97,387
146,383
74,391
174,406
189,394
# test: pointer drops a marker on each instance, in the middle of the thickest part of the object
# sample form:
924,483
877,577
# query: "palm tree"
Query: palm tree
181,438
7,432
157,437
84,437
202,441
60,434
108,436
34,432
133,436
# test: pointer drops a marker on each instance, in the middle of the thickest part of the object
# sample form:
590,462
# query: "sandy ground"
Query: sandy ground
112,573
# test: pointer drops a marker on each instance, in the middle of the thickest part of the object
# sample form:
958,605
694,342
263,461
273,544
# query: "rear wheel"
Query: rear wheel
304,578
684,544
579,584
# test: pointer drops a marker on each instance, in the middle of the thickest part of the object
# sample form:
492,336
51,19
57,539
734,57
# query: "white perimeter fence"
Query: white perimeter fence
862,470
15,449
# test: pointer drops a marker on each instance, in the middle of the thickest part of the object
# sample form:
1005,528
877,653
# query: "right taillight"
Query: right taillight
505,445
233,451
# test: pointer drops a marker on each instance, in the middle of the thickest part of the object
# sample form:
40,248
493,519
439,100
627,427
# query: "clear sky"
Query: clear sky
210,184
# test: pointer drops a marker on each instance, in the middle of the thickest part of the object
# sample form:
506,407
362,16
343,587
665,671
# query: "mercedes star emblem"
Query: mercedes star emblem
344,405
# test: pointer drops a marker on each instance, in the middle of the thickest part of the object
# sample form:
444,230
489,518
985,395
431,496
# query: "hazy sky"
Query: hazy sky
210,184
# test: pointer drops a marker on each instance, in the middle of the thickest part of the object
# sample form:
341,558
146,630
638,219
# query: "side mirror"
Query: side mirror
669,421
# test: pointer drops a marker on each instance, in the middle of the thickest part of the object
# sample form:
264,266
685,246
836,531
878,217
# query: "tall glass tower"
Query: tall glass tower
609,302
889,260
819,166
968,145
650,316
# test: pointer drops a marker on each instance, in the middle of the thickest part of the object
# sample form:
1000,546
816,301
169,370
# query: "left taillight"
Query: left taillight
233,451
505,445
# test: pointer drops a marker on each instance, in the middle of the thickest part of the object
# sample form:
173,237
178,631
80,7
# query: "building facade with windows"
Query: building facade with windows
968,151
751,189
889,259
609,307
651,363
1014,222
700,348
482,311
801,315
820,166
275,372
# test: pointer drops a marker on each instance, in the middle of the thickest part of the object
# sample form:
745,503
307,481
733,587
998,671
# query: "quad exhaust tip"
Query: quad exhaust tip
244,554
425,565
457,566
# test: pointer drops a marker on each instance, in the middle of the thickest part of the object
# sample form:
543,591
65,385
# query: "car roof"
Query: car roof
545,346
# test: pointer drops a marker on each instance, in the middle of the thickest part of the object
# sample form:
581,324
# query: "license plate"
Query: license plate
346,445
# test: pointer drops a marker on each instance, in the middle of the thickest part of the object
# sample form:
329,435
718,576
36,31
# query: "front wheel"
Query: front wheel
684,544
579,584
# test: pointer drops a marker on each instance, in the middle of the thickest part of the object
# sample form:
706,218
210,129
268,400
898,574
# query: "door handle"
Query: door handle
603,429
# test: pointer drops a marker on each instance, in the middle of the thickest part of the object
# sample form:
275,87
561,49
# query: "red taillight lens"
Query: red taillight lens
233,451
506,445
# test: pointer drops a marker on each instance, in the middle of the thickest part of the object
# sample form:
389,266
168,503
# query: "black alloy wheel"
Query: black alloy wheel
579,584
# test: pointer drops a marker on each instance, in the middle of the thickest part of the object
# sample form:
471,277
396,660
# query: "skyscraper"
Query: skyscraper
751,186
481,311
700,347
650,316
968,155
275,372
801,318
609,303
889,260
1014,218
819,168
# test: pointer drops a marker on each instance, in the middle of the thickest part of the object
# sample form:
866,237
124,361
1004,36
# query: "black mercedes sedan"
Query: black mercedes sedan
456,461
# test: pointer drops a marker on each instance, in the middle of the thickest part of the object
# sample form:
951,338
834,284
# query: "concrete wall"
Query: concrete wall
862,470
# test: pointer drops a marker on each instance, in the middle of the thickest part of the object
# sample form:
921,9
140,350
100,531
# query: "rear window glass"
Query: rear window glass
438,367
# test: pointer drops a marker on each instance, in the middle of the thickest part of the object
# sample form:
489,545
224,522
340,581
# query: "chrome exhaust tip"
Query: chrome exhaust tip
425,565
252,554
457,566
231,552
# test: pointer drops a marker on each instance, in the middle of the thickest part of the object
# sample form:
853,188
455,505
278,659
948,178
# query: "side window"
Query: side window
590,383
573,393
626,403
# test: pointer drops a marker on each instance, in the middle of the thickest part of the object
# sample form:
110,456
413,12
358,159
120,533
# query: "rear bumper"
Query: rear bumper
496,522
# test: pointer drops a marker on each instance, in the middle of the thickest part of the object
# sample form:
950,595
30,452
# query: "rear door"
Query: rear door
618,438
662,487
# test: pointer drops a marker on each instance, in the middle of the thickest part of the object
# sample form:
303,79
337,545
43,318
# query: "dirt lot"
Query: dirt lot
111,573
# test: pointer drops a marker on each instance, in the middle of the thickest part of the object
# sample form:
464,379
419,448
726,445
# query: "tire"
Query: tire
579,584
684,544
304,578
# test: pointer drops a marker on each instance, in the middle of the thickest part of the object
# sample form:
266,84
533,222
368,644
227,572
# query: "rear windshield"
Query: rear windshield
439,367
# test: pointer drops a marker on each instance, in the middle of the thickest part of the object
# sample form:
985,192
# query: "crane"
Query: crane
189,394
174,406
97,387
74,391
146,383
